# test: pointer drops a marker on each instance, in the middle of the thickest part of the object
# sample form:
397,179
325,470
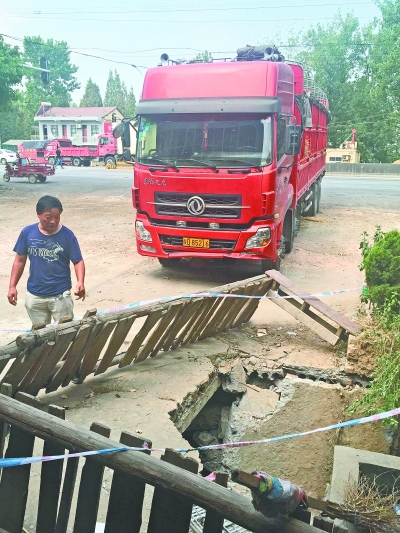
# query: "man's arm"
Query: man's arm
16,273
80,277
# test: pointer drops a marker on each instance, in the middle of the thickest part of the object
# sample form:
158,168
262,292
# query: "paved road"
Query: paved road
363,193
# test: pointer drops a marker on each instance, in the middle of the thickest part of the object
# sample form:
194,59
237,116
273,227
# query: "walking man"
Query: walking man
59,160
50,247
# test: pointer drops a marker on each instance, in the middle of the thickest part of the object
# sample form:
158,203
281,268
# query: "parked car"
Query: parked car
7,156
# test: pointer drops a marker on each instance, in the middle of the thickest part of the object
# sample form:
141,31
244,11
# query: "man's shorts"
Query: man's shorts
49,308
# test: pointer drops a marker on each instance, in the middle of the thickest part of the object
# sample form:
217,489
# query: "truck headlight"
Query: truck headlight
261,238
141,232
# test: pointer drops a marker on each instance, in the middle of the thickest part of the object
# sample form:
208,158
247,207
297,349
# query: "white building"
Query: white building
80,124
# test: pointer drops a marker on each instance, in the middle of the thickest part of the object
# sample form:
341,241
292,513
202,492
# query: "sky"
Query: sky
128,33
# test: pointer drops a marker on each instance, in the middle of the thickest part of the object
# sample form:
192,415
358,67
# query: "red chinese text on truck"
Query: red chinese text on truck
45,151
230,154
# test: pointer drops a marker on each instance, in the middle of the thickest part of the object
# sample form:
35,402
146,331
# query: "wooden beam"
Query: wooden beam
232,506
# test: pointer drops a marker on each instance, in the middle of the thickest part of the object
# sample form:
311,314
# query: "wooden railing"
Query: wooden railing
177,485
52,356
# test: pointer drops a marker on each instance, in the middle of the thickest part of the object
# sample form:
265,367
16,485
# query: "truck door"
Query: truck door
283,174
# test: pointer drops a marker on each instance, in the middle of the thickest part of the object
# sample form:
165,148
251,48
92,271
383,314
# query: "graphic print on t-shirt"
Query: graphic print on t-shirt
48,249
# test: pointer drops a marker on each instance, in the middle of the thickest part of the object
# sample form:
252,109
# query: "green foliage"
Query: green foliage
381,263
62,74
357,67
203,57
92,96
117,95
10,72
384,392
15,122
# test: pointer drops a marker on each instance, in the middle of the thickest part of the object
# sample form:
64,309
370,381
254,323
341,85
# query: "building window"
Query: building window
54,130
94,129
73,130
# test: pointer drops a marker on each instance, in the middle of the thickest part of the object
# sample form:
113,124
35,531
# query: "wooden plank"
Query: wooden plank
36,360
208,308
176,326
154,338
306,320
5,389
90,312
39,325
233,506
20,366
170,318
95,328
201,312
313,301
253,304
236,305
89,489
50,362
50,481
250,290
65,319
214,522
207,317
171,513
93,350
133,349
191,319
208,330
302,514
124,513
119,335
64,509
15,481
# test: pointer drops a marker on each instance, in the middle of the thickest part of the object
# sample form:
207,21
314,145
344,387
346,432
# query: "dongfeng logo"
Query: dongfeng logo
195,205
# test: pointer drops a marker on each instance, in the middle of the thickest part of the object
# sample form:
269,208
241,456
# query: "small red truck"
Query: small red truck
45,151
230,154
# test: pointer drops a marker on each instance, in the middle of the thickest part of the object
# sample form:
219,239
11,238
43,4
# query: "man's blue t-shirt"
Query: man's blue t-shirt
49,255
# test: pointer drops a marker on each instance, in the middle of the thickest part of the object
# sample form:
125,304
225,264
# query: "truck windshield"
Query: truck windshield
197,141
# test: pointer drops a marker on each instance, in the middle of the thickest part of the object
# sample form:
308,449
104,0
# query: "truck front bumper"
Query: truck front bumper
167,242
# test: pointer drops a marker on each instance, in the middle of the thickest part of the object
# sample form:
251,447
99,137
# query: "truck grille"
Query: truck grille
215,244
216,205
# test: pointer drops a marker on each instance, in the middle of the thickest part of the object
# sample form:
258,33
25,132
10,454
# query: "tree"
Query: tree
203,57
62,73
118,95
10,72
92,96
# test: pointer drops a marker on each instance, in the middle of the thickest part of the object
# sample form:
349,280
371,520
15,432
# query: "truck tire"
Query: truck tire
289,230
76,161
319,193
169,262
32,178
42,179
3,161
86,163
6,177
269,264
297,219
52,160
314,201
109,161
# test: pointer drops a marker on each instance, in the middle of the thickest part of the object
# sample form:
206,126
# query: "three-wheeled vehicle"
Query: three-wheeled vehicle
23,168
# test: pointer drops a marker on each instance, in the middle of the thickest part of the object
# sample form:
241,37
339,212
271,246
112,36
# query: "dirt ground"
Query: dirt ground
325,258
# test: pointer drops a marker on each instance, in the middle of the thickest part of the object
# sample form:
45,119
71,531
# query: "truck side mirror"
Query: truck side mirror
118,131
292,140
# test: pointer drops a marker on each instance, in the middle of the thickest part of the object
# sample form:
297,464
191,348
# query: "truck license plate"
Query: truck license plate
196,243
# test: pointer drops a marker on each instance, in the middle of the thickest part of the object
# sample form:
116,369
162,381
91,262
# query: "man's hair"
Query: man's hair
48,202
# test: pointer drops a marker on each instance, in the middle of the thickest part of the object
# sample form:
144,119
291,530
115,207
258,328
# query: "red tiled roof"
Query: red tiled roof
78,111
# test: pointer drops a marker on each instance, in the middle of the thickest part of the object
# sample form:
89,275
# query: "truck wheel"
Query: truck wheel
6,177
297,219
42,179
268,264
3,161
109,161
169,262
52,160
76,161
86,163
289,230
32,178
314,201
319,193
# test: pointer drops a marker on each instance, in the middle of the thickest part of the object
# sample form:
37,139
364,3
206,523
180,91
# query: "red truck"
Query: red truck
45,151
230,154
